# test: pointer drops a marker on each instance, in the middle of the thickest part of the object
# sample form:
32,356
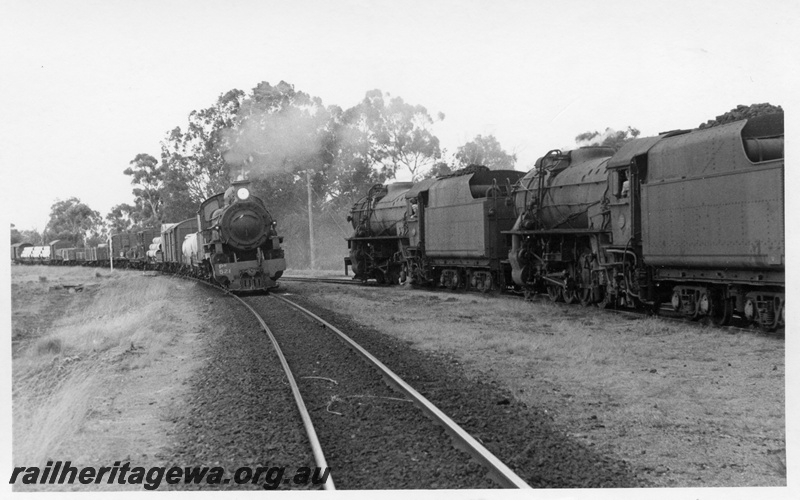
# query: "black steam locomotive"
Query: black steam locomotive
694,218
236,244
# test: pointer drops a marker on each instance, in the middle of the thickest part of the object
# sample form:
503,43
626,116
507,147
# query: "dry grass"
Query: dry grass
120,321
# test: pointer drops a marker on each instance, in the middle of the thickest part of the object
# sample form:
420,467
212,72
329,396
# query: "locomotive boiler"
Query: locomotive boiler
561,225
378,232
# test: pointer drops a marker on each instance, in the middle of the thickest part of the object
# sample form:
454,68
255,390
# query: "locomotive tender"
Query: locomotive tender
693,218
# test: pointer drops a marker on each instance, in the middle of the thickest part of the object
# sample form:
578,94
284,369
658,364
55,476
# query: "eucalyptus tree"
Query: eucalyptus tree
391,134
147,177
485,150
73,221
193,157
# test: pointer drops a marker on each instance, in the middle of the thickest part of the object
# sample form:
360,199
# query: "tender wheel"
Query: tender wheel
654,308
488,283
456,281
721,312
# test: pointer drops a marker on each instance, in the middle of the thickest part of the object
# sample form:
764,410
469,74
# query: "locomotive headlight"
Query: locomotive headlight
243,193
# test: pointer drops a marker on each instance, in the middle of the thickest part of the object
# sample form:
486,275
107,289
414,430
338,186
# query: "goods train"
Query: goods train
232,241
690,218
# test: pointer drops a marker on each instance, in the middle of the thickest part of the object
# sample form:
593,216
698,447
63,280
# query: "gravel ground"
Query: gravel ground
372,437
524,438
240,409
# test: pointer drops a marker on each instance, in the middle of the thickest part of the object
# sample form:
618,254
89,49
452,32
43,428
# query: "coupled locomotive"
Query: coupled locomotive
443,231
689,218
694,218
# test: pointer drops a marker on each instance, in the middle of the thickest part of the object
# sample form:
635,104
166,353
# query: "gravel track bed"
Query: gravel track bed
524,438
372,437
241,412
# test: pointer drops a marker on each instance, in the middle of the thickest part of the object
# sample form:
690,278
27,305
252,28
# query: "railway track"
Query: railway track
336,281
463,441
316,447
324,388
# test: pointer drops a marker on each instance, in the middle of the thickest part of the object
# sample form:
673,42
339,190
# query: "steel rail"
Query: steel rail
319,279
337,281
316,447
500,472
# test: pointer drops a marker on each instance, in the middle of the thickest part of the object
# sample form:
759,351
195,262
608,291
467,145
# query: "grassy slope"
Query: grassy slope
89,365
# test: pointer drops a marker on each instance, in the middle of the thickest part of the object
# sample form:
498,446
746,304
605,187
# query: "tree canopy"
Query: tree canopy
280,137
147,177
73,221
485,150
288,143
31,236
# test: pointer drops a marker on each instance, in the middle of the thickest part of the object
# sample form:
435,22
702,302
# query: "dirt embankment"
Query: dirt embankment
100,363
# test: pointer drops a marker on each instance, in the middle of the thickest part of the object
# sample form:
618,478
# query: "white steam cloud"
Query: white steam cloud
270,143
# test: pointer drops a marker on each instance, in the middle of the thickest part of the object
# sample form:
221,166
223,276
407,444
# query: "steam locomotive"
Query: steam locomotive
236,244
692,218
232,241
438,231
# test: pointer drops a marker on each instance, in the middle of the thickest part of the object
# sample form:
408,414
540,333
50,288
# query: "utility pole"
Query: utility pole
310,220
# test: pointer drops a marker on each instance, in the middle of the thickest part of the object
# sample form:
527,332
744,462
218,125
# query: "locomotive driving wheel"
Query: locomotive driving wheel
571,291
585,295
608,299
555,293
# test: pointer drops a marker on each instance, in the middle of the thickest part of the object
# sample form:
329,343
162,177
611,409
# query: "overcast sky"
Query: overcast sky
87,85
